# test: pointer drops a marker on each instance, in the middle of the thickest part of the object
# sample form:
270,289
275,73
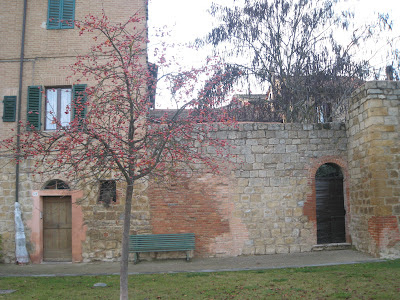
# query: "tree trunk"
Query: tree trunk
123,291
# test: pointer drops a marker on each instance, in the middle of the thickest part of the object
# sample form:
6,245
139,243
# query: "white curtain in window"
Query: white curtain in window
51,109
65,117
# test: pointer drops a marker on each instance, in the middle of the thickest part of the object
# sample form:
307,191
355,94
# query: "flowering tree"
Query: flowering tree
114,133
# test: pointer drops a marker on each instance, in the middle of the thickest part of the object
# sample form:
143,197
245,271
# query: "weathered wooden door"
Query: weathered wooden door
57,229
330,210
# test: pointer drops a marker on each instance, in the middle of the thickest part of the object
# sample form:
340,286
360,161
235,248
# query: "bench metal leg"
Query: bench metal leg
135,258
187,256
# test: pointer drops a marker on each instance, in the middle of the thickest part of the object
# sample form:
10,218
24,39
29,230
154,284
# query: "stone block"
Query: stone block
255,198
372,103
275,181
245,198
270,249
250,158
248,251
391,120
276,232
305,248
289,240
296,232
291,148
297,212
269,134
260,250
251,142
383,210
377,111
243,182
393,111
281,249
294,249
275,127
262,173
257,149
376,120
256,182
282,134
273,141
248,127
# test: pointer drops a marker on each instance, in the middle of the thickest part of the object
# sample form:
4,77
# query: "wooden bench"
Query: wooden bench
161,243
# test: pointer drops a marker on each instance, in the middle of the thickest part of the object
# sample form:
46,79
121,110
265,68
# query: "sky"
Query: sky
186,20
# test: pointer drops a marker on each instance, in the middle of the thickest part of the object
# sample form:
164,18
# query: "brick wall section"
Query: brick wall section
384,231
374,158
259,207
202,205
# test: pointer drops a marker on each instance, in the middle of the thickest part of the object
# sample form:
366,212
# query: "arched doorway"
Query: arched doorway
330,204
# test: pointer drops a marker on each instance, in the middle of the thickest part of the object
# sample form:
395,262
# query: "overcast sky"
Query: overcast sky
187,20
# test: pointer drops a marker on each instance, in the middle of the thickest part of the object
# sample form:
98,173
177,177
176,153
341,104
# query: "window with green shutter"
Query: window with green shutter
79,102
60,14
9,108
34,107
58,107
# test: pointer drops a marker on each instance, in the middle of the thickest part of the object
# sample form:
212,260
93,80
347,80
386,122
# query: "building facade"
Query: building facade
51,44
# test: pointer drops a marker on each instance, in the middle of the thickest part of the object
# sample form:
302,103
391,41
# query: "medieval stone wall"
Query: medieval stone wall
374,164
264,203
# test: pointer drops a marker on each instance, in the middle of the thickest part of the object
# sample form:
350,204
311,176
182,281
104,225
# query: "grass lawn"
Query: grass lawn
360,281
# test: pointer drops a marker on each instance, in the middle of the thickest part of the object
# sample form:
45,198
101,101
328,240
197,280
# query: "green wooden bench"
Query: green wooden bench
161,243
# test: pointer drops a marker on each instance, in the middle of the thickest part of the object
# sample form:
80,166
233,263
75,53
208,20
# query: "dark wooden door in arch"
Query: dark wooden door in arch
330,205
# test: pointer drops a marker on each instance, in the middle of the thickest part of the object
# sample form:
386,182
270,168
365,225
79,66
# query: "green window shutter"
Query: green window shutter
60,14
79,102
68,14
10,108
34,106
53,14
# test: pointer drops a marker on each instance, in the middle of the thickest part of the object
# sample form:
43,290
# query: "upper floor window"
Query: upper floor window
58,107
60,14
63,104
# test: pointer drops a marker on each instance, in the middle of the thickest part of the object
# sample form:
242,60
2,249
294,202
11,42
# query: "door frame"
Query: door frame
63,206
310,205
36,223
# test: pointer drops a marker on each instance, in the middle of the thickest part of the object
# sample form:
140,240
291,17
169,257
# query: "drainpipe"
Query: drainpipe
20,241
21,71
